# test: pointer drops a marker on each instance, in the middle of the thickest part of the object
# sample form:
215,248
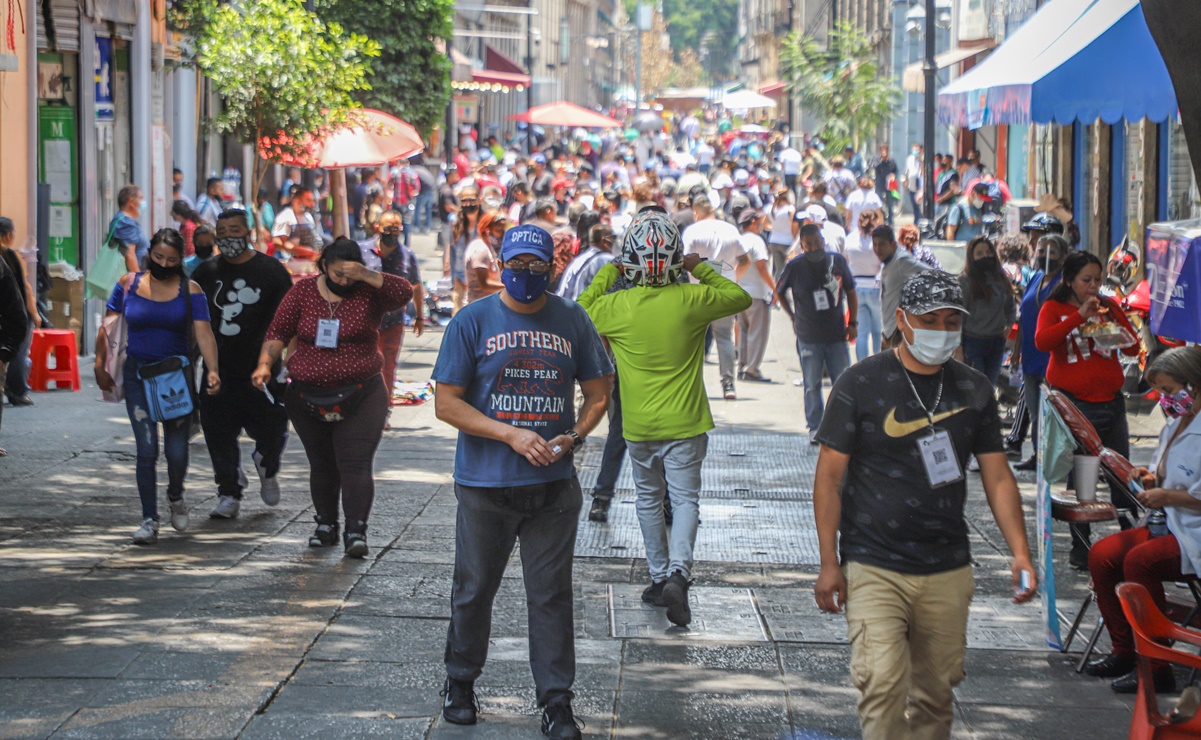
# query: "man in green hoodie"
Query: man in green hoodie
656,329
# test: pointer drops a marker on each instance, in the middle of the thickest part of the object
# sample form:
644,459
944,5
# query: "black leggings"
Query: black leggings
341,453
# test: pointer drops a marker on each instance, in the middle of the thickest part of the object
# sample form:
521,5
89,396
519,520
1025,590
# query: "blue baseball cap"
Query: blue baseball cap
527,239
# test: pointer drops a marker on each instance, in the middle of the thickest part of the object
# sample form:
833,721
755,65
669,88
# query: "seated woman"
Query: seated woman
1151,555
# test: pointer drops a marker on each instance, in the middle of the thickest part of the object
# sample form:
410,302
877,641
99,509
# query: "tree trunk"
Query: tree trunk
1175,25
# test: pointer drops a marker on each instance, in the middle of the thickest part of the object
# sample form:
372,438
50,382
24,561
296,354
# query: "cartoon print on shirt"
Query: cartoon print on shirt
240,296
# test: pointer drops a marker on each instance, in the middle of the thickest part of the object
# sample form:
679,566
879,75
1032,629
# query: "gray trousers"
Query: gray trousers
723,337
489,522
668,468
753,325
779,257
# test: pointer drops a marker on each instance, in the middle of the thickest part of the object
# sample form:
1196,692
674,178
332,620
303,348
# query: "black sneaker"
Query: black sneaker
1163,678
326,534
600,509
675,597
653,594
459,705
1014,450
354,540
558,723
1030,463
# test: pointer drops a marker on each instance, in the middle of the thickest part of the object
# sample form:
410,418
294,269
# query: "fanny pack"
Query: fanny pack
168,388
329,404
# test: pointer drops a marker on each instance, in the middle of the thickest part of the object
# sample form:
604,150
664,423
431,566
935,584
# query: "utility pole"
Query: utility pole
929,70
638,61
529,68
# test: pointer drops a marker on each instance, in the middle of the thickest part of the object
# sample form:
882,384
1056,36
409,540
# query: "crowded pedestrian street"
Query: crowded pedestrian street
236,629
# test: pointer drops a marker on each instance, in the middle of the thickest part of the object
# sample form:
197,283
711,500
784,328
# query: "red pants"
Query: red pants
390,342
1131,556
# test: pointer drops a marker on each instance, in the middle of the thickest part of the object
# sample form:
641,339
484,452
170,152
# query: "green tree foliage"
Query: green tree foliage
284,76
841,84
708,27
411,78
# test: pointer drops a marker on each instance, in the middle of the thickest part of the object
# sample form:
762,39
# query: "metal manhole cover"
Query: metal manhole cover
725,614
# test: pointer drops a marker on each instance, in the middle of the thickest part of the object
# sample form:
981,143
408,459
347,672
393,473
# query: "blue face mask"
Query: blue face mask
525,286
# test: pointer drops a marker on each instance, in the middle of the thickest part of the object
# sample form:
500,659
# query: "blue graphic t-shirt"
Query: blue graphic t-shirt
521,370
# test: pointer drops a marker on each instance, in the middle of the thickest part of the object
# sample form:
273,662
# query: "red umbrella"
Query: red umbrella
378,138
563,113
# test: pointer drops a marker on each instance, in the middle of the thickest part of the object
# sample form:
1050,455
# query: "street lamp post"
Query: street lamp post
929,70
638,61
529,68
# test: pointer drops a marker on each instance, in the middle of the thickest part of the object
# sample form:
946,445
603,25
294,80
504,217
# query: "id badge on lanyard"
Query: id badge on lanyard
327,333
938,455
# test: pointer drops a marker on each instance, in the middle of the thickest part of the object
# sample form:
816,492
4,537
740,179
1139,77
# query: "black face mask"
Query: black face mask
161,272
204,251
986,263
470,209
389,240
339,290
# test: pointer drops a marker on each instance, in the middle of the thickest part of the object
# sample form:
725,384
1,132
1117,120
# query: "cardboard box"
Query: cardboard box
66,308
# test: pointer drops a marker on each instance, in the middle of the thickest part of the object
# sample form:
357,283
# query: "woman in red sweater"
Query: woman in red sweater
336,399
1091,378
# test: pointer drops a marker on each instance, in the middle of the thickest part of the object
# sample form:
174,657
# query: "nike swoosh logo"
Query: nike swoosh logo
897,429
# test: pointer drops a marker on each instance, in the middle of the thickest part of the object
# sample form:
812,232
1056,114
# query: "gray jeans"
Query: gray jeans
753,326
723,337
668,467
489,522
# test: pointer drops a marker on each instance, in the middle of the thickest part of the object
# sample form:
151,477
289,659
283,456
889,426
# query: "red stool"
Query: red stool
60,343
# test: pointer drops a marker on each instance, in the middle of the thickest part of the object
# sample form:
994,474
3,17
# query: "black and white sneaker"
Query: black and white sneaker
558,722
459,705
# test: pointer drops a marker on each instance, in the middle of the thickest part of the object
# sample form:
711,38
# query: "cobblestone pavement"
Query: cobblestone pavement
238,629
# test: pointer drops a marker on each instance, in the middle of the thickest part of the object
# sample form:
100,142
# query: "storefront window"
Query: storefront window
1182,187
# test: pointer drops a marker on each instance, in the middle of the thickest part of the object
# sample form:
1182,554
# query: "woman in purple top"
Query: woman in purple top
153,304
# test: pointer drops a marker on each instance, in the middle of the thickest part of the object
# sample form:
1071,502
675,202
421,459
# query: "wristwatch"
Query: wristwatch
576,440
852,323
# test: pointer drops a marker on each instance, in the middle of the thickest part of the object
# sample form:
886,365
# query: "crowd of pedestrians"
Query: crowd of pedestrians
620,270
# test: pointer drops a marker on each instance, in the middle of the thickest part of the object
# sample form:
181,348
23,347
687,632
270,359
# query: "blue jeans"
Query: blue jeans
869,317
615,448
423,219
145,434
984,354
17,384
833,358
668,468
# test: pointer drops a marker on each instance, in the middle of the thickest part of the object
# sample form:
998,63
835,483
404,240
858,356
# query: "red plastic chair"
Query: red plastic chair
1151,628
61,343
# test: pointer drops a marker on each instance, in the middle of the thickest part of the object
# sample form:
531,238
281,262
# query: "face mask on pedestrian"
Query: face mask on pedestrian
986,263
525,286
816,256
1177,404
389,240
932,347
977,202
204,250
162,272
232,247
339,290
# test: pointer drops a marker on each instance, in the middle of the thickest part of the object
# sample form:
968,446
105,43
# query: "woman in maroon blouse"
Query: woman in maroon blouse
336,399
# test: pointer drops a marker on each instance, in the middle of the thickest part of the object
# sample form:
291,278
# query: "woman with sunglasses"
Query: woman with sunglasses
480,262
387,253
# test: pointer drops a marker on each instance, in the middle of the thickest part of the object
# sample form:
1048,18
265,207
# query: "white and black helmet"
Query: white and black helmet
651,252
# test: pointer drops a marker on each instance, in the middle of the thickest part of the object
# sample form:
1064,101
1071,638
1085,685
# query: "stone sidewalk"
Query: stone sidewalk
238,629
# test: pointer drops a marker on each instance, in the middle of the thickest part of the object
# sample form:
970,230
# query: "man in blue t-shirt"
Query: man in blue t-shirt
506,379
125,233
816,282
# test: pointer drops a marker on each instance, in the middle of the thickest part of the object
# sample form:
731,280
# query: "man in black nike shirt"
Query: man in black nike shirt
888,498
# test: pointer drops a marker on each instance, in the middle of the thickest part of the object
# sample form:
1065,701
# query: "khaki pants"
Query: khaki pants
908,636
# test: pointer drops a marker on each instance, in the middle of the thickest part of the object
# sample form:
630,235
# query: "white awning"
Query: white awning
915,82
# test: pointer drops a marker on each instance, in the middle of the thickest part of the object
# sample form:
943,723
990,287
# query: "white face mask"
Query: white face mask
932,347
977,203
